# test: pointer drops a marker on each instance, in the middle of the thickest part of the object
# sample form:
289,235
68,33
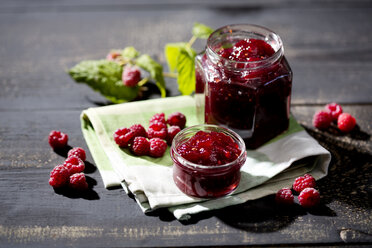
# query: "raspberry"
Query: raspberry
177,119
74,164
157,130
157,147
159,117
131,76
138,130
334,110
113,55
59,176
140,146
346,122
78,152
123,136
78,181
322,119
172,131
309,197
57,139
306,181
284,197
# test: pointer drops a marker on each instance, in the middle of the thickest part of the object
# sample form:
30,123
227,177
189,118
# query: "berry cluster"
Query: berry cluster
308,196
333,113
152,142
71,172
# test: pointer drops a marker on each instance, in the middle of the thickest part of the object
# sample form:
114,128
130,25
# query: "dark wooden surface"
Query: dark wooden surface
328,44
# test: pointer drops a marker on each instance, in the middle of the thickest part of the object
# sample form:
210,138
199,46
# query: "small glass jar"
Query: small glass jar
206,181
250,97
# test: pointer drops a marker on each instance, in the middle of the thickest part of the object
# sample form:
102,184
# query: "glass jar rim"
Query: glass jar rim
249,29
192,165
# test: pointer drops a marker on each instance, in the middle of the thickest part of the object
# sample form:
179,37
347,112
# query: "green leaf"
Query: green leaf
155,69
173,50
105,77
201,31
129,53
186,73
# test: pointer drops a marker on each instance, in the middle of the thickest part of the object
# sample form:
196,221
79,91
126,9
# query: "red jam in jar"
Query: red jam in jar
244,82
207,160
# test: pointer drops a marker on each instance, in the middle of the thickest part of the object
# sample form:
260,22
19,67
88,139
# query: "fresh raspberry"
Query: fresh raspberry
74,164
322,119
157,147
157,130
131,76
123,136
57,139
309,197
346,122
59,176
172,131
334,110
159,117
284,197
306,181
140,146
78,181
177,119
138,130
78,152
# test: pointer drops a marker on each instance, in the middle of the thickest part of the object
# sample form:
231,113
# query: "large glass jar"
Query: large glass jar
250,95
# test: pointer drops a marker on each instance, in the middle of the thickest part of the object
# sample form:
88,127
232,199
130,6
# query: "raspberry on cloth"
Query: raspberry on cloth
269,168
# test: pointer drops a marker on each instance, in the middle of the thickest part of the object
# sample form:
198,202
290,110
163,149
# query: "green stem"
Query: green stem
170,74
143,81
191,41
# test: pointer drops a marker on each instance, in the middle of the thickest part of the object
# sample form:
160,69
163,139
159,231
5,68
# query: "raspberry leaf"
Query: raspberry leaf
201,31
130,53
186,73
155,69
105,77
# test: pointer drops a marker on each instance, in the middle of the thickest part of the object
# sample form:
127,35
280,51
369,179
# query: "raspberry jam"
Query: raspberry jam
207,160
244,82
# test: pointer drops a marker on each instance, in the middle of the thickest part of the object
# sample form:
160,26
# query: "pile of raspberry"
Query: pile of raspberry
71,172
333,113
153,141
305,186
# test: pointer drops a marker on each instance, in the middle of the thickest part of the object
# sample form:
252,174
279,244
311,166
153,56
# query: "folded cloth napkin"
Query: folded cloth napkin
267,169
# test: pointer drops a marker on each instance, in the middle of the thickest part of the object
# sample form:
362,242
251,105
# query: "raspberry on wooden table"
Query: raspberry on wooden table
306,181
57,139
78,181
140,146
177,119
346,122
157,147
74,164
309,197
123,136
78,152
322,119
284,197
334,110
59,176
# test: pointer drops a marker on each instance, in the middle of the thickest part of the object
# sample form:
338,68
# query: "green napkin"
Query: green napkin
267,169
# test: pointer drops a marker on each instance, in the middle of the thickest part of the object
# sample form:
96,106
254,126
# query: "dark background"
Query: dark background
328,45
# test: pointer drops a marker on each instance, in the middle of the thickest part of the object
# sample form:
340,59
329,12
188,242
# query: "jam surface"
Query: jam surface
252,100
209,148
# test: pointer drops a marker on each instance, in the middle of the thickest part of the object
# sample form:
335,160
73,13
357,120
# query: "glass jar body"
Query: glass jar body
206,181
251,98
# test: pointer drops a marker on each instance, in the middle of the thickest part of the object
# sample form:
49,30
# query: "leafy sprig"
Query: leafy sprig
105,76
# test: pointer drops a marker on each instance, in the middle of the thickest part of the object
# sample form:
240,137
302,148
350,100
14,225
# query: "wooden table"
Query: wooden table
328,45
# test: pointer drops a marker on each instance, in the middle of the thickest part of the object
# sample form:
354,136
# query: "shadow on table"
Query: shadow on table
88,194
